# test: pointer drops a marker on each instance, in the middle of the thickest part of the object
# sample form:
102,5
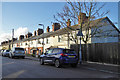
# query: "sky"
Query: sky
25,16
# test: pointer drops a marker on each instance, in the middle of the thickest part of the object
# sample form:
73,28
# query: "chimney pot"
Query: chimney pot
48,29
68,23
34,33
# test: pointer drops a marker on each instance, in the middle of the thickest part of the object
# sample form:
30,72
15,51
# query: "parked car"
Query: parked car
17,52
2,52
6,53
59,56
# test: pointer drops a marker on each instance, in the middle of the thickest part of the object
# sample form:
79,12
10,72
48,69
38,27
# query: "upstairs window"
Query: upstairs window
59,39
26,44
31,42
46,41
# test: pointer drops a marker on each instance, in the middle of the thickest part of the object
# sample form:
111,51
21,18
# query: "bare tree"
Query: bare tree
86,16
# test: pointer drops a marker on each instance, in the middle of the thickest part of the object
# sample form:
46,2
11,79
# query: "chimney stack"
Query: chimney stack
21,37
55,26
48,29
68,23
14,39
39,31
28,35
82,18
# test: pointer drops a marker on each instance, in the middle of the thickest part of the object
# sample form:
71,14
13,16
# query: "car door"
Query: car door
54,54
47,56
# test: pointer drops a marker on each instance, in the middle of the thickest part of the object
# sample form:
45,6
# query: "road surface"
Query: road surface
24,68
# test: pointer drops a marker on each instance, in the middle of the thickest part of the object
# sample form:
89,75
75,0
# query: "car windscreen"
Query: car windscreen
20,49
69,51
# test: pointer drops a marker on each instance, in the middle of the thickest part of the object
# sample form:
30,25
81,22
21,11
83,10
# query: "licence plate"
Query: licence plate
19,52
71,56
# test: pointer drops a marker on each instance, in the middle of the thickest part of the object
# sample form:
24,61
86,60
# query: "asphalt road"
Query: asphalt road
24,68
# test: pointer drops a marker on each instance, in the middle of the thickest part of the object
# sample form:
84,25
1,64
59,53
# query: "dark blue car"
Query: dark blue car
59,56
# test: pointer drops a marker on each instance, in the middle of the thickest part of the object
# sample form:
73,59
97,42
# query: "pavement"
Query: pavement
102,67
109,68
32,58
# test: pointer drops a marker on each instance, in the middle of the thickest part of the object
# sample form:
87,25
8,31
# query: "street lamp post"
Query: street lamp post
12,36
43,35
80,52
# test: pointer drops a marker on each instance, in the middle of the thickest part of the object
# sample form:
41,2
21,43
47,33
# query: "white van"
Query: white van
17,52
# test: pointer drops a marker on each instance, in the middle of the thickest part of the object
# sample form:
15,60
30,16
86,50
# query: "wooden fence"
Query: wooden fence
100,52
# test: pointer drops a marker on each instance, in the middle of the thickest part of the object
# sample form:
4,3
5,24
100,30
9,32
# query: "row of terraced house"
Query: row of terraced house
60,37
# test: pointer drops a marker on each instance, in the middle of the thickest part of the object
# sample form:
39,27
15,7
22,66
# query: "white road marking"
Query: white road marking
15,75
102,70
90,68
106,71
8,63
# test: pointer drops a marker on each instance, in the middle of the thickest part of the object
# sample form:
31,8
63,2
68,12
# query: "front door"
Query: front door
34,52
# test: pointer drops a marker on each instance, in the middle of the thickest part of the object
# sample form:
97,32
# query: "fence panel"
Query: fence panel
100,52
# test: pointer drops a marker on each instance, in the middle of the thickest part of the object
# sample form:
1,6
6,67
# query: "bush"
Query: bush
33,55
28,54
38,56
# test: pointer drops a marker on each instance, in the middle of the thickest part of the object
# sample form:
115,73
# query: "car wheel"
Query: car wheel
12,56
74,65
3,55
57,63
9,55
41,61
23,57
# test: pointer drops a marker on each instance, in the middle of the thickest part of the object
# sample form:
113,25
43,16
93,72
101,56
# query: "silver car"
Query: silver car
2,52
6,53
17,52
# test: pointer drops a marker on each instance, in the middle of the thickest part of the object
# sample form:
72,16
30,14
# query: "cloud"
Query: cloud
20,31
17,33
4,36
